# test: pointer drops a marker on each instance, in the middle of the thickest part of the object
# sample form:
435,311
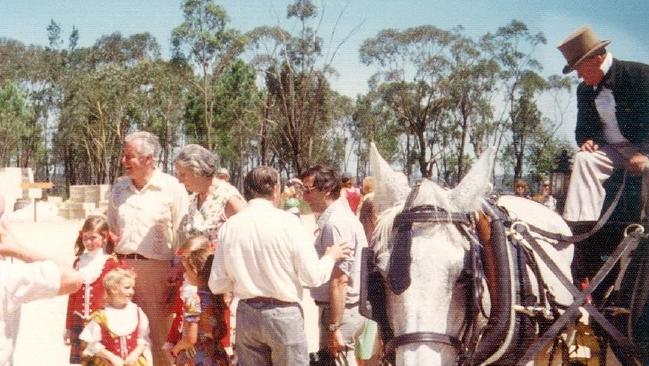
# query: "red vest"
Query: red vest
95,295
121,346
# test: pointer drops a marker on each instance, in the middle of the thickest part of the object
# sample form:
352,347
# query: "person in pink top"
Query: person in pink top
350,192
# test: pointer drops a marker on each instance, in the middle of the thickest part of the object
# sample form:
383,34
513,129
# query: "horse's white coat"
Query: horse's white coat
434,302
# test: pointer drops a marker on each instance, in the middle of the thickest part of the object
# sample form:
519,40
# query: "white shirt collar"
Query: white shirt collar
608,62
91,264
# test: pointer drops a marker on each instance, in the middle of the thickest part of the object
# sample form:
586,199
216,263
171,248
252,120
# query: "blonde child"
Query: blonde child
205,328
93,248
118,334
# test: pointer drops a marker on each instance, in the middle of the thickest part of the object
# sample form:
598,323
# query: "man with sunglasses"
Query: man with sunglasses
340,322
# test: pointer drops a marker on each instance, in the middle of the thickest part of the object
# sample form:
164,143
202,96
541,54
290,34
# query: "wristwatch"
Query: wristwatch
333,327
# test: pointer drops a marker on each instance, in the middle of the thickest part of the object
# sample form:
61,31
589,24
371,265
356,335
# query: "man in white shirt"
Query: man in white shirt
32,278
145,211
264,255
612,121
341,323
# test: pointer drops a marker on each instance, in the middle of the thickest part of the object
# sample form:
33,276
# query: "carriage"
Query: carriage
476,280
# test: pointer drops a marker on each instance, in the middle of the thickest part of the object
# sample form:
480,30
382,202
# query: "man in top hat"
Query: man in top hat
612,120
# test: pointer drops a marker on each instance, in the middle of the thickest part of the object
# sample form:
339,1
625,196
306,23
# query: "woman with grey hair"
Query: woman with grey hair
213,200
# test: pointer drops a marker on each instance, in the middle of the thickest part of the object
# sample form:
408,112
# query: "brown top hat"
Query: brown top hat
579,46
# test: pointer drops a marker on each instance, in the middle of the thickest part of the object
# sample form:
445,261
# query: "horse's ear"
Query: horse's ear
391,187
467,196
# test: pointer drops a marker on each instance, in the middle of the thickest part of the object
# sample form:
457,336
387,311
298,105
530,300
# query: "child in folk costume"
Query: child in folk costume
185,291
118,334
205,328
94,247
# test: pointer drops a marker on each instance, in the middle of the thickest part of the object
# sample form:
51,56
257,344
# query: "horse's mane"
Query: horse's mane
383,229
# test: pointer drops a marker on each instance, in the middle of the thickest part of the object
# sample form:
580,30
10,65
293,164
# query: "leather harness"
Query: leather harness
473,346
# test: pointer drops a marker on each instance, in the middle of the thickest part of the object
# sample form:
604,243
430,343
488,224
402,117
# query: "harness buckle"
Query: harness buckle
637,228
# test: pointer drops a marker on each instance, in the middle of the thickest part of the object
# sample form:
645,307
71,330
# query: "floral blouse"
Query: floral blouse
207,219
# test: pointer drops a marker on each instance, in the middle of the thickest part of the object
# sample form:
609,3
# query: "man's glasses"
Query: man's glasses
309,189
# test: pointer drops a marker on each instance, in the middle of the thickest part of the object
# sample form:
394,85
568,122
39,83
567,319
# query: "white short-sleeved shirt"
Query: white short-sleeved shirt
22,283
265,251
146,220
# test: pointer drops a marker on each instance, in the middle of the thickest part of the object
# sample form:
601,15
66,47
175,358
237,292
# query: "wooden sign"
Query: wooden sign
41,185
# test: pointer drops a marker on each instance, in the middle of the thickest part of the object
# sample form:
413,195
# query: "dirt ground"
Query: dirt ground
40,340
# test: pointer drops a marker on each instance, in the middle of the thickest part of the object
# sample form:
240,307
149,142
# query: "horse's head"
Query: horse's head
434,300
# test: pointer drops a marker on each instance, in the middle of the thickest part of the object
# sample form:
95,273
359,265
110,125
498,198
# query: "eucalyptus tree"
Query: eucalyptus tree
469,89
413,65
300,110
103,89
526,119
237,118
559,89
16,114
374,121
205,39
26,66
163,89
512,47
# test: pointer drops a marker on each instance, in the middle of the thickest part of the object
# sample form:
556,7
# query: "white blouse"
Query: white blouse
121,322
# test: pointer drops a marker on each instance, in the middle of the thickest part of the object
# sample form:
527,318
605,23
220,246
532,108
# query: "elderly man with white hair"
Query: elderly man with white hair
145,211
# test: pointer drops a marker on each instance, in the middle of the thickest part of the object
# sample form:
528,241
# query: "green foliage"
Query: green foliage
15,127
438,99
204,39
301,112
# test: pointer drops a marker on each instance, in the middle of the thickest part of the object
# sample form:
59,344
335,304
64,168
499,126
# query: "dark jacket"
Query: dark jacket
629,82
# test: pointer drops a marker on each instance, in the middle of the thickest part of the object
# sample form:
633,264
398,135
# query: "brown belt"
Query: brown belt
268,301
131,256
348,306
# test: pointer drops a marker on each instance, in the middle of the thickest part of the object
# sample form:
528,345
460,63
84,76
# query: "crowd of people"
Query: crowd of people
154,279
544,195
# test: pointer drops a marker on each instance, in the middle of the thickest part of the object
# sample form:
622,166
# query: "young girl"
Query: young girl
205,328
93,249
118,334
185,291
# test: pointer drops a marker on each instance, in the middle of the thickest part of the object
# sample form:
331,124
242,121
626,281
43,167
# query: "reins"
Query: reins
600,223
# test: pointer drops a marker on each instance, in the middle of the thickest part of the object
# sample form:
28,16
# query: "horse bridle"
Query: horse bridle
399,280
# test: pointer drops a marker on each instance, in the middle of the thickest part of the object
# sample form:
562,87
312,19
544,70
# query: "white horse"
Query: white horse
435,299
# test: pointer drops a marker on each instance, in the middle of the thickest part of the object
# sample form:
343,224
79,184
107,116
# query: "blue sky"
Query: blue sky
624,22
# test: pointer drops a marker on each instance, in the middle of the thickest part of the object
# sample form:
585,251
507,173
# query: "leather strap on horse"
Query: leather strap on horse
495,332
423,337
631,352
401,257
600,223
